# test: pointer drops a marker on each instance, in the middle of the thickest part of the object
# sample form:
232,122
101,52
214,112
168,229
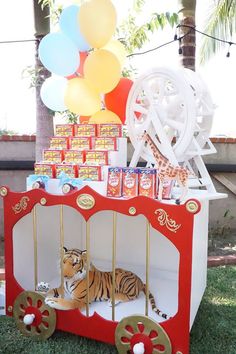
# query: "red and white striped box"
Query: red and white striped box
114,182
92,173
105,143
112,130
85,130
96,157
74,156
69,169
50,155
45,169
80,143
59,142
64,130
129,182
147,182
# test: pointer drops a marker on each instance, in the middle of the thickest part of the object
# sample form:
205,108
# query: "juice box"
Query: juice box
74,156
130,182
64,130
45,169
105,143
85,130
113,130
50,155
167,188
114,182
69,169
92,173
59,142
147,182
96,157
80,143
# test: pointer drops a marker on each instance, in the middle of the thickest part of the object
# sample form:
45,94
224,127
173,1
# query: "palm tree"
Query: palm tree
188,43
220,23
44,119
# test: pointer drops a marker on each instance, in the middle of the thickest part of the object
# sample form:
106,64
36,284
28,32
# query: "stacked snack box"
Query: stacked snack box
114,182
147,182
130,182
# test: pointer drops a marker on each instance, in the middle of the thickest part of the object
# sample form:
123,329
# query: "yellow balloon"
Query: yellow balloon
105,116
81,98
97,21
117,48
103,70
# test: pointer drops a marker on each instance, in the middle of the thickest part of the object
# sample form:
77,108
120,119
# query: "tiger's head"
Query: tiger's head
74,264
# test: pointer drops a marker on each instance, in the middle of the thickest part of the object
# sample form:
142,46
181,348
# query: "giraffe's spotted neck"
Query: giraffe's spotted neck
156,152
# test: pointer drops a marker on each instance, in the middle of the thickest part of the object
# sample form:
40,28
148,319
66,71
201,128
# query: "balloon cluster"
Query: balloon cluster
86,63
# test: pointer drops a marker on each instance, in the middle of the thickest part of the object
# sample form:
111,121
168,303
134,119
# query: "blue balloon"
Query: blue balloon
69,25
53,92
59,54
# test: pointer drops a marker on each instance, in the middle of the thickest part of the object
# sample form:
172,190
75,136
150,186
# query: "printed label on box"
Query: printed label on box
69,169
52,155
85,130
44,169
109,130
92,173
74,156
80,143
59,142
106,143
96,157
64,130
130,182
114,182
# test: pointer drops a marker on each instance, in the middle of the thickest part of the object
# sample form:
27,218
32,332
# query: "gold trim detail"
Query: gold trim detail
3,192
85,201
132,210
165,220
192,206
22,205
10,308
43,201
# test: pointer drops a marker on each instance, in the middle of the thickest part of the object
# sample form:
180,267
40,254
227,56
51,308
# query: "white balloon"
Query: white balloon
53,92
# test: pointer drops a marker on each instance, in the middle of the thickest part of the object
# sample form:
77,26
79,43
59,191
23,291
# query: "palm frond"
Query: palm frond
220,23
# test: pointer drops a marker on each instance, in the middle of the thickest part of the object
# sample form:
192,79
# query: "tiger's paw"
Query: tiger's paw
53,302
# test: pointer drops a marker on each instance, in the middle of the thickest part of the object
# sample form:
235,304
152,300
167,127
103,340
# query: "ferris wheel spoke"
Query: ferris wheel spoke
175,124
140,109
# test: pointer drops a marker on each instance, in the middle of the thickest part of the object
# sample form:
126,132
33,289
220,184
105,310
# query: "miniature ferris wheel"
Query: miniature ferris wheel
176,109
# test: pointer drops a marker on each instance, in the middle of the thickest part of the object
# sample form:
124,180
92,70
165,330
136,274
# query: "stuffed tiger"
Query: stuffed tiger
127,285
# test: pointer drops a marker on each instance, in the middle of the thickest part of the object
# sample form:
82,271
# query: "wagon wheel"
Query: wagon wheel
33,317
136,332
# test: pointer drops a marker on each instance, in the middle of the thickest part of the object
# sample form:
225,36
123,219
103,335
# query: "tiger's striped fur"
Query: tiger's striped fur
127,285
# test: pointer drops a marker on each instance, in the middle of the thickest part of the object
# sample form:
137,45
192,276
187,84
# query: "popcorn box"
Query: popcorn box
167,188
59,142
64,129
105,143
130,182
85,130
45,169
80,143
96,157
147,182
114,182
112,130
50,155
92,173
69,169
74,156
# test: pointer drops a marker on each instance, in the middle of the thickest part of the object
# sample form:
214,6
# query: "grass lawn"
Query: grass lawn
213,332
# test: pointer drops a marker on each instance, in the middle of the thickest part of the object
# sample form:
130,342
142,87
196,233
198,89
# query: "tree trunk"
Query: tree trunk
188,43
44,119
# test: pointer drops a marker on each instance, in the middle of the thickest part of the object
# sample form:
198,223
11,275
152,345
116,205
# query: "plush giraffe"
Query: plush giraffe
168,171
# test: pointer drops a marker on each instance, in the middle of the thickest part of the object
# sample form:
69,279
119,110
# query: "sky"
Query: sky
17,101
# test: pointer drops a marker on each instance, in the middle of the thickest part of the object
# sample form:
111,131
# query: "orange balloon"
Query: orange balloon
80,70
103,70
84,119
